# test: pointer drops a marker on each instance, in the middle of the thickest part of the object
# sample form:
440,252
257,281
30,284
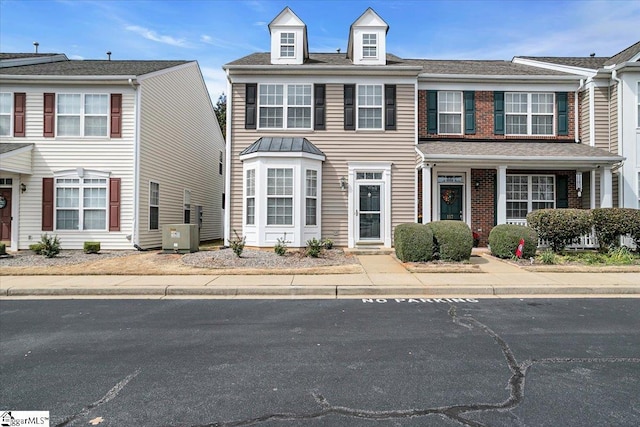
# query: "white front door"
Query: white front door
369,212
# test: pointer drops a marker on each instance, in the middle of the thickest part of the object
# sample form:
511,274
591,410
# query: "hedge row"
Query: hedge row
445,240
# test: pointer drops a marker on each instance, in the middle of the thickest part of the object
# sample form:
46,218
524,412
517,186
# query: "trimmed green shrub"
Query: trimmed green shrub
453,240
91,247
413,242
560,226
505,238
281,246
611,223
3,249
633,220
50,245
36,248
314,246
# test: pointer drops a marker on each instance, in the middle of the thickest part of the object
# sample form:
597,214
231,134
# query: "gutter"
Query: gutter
476,77
30,77
227,169
135,234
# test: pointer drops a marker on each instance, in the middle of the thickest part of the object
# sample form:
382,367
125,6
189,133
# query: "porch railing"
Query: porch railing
586,241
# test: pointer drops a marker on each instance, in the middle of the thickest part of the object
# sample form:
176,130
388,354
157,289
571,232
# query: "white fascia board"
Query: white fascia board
527,159
421,154
323,79
282,155
74,79
493,77
15,152
508,86
586,72
627,66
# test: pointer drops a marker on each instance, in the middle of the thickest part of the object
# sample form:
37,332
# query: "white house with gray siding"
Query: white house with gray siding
107,151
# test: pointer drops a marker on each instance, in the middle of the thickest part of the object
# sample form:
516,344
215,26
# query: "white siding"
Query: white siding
180,144
51,155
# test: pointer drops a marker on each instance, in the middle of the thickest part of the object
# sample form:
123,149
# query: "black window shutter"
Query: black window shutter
319,107
469,113
250,109
563,116
432,111
498,113
390,107
349,107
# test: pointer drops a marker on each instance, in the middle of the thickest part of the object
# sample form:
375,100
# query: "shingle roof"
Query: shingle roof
279,144
591,63
515,150
90,68
625,55
264,58
7,147
4,55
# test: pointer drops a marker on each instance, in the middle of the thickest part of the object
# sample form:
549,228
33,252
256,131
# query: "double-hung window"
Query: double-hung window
369,46
311,200
287,45
81,203
276,109
526,193
529,113
251,197
370,106
450,112
82,114
154,206
6,110
280,196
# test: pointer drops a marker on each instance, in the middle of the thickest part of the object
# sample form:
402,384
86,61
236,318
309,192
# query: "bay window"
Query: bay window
529,113
250,193
311,206
280,196
526,193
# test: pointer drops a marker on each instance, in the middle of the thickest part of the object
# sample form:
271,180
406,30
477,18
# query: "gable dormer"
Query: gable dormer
368,40
288,39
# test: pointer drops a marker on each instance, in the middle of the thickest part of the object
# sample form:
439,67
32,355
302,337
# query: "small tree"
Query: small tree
221,113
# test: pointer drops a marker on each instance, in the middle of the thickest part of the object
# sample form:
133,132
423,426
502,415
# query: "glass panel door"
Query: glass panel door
369,211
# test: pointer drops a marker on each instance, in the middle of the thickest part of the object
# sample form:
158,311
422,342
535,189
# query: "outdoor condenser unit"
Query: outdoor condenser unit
180,238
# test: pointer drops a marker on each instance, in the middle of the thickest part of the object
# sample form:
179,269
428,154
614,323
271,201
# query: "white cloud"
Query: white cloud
153,36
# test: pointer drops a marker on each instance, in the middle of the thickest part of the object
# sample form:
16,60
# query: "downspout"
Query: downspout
614,77
136,168
227,161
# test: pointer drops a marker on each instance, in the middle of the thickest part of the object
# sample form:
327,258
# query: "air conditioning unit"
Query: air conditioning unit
180,238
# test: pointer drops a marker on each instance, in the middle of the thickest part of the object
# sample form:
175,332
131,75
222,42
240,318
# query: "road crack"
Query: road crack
113,392
516,386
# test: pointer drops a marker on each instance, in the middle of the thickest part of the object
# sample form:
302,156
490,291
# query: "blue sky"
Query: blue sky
215,32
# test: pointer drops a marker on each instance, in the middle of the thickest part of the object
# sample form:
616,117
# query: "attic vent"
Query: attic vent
592,55
36,44
109,56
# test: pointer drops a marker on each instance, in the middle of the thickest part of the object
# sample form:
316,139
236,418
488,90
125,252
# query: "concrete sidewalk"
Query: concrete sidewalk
384,276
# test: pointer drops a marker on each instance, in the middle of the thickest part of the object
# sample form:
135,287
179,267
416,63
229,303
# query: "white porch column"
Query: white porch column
606,188
502,195
426,193
592,192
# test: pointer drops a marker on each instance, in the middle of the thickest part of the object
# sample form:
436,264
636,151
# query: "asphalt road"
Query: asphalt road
549,362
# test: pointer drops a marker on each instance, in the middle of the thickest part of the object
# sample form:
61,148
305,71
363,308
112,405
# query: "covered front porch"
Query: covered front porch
490,183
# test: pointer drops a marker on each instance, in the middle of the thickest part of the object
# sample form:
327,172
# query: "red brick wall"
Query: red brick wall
484,119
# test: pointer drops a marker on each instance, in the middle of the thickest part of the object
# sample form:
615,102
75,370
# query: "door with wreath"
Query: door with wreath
451,202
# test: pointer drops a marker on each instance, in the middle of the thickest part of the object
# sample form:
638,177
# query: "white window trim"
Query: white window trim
367,45
82,115
291,196
247,196
530,115
187,204
151,205
10,114
380,107
80,174
308,197
451,113
530,200
285,107
292,45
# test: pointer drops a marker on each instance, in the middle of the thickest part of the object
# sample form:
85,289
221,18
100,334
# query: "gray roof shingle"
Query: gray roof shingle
7,147
280,144
625,55
90,68
504,150
588,62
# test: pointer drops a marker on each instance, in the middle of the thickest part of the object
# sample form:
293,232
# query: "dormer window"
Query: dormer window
369,46
287,45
